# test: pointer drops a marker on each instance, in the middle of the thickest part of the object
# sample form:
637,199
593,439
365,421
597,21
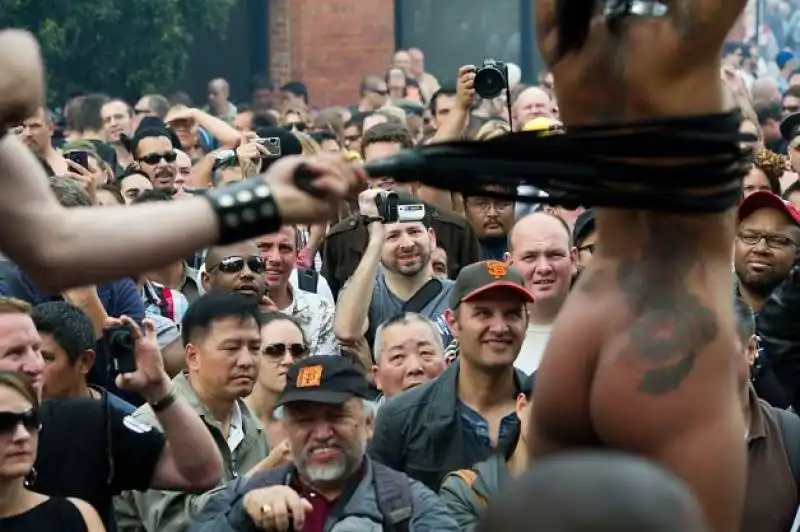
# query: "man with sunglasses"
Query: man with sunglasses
155,155
238,268
85,246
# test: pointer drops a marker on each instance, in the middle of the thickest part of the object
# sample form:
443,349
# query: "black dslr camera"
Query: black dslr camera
390,210
491,78
121,348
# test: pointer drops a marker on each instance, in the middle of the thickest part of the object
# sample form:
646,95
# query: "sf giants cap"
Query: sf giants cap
767,200
323,379
479,277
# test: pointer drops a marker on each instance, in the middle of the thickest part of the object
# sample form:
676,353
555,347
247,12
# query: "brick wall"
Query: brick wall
330,45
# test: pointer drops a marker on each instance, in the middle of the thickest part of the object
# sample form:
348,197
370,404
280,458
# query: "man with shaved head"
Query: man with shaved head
765,91
595,492
402,60
540,248
219,104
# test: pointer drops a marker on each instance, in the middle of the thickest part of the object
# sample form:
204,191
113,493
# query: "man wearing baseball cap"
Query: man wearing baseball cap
765,255
330,481
468,412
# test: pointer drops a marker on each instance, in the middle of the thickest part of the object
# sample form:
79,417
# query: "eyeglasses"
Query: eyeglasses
155,158
276,351
587,247
791,108
483,204
772,241
236,264
9,421
379,92
299,126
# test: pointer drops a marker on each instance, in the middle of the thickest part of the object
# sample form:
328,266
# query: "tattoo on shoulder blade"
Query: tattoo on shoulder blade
671,325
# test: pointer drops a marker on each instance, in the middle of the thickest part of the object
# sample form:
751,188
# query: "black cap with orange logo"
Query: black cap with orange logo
479,277
323,379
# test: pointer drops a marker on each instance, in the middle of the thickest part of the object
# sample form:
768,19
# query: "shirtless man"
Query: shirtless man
60,248
651,369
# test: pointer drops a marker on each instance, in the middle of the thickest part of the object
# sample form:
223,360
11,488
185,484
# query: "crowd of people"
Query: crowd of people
373,370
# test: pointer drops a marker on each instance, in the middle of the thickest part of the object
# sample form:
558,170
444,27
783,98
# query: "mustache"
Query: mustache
333,443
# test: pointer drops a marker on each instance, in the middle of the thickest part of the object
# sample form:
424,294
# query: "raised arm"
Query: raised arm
703,25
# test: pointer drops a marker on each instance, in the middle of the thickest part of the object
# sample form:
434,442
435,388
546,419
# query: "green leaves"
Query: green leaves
119,47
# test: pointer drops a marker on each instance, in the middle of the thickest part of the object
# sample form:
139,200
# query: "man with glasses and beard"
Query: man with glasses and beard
330,482
238,268
154,153
765,255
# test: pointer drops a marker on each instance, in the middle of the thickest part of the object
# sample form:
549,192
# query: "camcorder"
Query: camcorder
121,350
491,78
391,211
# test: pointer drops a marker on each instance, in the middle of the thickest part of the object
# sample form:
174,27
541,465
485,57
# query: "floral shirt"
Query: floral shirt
316,318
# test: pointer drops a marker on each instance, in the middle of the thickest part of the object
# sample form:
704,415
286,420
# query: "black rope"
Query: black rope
663,164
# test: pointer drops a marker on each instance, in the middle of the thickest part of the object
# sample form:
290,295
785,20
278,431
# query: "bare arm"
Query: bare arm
219,129
90,516
703,25
82,246
351,319
191,460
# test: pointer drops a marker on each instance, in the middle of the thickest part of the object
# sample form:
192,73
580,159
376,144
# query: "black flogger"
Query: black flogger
658,165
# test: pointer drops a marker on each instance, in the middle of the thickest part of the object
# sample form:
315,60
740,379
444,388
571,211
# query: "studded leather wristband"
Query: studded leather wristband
246,209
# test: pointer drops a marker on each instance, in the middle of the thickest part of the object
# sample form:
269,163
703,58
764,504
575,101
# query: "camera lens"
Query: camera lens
489,82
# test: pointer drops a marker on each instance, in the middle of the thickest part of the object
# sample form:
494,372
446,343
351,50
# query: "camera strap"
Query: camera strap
423,296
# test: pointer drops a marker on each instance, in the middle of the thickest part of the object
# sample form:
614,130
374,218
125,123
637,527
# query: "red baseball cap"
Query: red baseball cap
767,200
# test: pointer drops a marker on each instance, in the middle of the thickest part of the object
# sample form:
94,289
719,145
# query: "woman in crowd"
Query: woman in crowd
765,175
22,510
282,344
468,491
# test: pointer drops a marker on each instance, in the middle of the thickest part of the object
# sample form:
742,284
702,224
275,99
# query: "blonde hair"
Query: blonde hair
310,146
12,305
20,384
492,129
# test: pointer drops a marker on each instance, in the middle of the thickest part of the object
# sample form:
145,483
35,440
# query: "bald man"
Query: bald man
595,492
765,91
541,249
219,105
531,103
237,268
402,60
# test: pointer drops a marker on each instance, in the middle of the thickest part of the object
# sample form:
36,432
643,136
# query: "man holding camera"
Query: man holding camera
91,449
403,283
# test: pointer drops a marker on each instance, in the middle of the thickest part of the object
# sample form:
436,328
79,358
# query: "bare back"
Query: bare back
647,338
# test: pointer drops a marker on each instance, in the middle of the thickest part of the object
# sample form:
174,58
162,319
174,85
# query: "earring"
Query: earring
30,478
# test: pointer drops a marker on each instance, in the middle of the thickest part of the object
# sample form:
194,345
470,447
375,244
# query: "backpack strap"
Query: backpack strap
469,477
789,424
394,497
307,280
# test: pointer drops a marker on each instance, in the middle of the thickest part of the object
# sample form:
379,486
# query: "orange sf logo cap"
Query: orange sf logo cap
496,269
309,377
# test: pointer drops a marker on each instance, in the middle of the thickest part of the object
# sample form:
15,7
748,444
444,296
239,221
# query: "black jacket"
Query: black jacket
419,431
778,330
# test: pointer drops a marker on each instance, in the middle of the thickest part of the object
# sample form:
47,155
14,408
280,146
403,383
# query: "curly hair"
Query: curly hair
773,166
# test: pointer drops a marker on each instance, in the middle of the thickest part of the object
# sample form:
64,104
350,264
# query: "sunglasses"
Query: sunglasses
236,264
9,421
155,158
299,126
380,92
297,351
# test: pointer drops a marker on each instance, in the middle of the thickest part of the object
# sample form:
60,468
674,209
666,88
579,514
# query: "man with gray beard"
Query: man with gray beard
330,481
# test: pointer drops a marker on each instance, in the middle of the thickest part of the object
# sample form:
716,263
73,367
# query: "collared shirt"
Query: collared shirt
236,428
475,430
316,319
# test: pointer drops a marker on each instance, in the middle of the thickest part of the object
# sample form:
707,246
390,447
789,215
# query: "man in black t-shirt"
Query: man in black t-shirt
91,449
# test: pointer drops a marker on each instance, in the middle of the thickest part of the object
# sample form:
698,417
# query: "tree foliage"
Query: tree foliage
121,47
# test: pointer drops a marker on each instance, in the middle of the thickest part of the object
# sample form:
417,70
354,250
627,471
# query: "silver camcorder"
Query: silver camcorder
390,210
